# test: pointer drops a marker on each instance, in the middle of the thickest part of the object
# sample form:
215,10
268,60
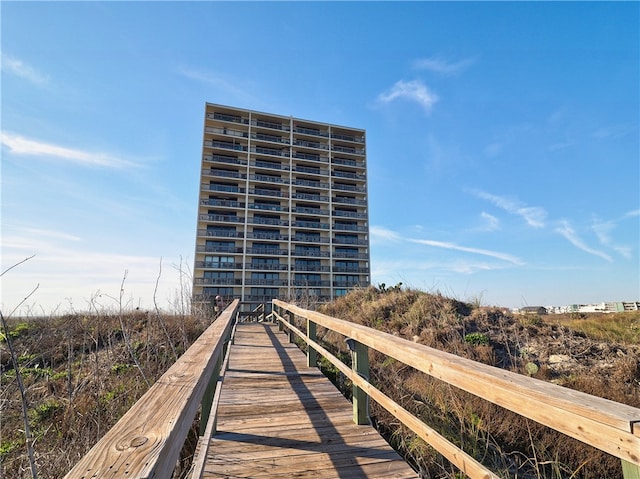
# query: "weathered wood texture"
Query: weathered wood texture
279,418
147,441
611,427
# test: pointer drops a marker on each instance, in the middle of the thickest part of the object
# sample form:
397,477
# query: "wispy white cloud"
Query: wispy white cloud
491,223
443,66
632,213
20,145
534,215
20,69
570,235
380,234
614,131
604,229
415,91
484,252
226,86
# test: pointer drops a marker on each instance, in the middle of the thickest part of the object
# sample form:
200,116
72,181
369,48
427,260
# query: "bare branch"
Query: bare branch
17,264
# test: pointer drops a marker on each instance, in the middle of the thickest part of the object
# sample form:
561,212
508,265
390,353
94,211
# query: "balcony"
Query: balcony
350,254
225,203
265,282
311,157
267,236
310,252
267,251
343,227
307,196
266,192
348,174
221,233
310,211
270,151
269,165
349,269
311,184
349,201
224,188
311,267
268,221
271,138
225,145
270,124
349,214
347,162
354,188
349,284
310,131
311,171
219,281
356,241
311,144
310,283
353,138
310,224
225,131
223,173
259,206
269,179
218,249
232,160
348,149
224,218
267,266
217,265
229,118
310,238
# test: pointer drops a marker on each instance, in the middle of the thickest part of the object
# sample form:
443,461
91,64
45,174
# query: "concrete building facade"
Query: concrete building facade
283,210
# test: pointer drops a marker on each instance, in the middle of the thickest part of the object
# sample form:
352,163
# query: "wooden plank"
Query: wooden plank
279,418
599,422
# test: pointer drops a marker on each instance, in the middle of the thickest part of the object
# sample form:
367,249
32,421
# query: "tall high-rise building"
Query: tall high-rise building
282,210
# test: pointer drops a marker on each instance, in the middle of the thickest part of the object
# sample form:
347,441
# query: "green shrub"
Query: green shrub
477,339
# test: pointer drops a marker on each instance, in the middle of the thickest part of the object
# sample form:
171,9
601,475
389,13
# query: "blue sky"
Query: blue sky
502,140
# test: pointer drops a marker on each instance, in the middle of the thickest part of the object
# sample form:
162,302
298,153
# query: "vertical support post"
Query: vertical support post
312,355
360,400
209,393
292,335
630,471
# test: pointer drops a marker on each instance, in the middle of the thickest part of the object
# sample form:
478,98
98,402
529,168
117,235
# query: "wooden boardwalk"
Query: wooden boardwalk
279,418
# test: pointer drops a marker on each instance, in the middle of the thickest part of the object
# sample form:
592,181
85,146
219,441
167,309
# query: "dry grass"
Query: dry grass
510,445
81,373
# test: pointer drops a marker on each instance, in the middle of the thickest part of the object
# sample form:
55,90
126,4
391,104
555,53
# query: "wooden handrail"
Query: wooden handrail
607,425
146,442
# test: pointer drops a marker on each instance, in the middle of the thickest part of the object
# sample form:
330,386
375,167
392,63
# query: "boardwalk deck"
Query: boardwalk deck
279,418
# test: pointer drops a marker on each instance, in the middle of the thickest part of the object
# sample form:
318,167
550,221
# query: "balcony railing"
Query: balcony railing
306,196
358,189
265,192
270,124
348,284
311,252
310,224
349,269
310,238
258,206
361,242
220,281
226,131
265,282
355,139
311,184
218,249
348,174
267,266
310,131
349,214
226,145
347,149
226,203
221,233
269,165
343,227
308,156
310,171
268,221
224,159
267,236
341,254
311,283
225,117
267,251
310,211
311,144
223,188
270,151
271,138
310,267
217,265
347,162
225,218
269,179
223,173
349,201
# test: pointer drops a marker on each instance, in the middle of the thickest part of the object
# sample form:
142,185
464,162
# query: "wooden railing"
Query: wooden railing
609,426
146,442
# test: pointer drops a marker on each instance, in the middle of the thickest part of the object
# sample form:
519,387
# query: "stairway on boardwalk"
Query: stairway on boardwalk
279,418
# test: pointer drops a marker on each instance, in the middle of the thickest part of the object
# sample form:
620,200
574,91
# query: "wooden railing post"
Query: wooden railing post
630,471
312,355
360,365
292,320
207,399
